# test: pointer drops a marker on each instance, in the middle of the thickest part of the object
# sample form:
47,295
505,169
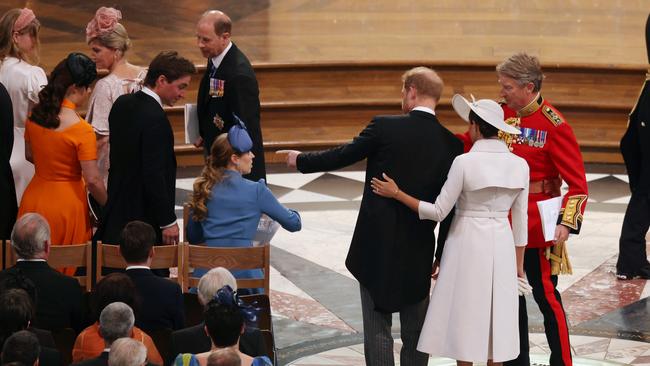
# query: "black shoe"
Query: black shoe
644,274
626,276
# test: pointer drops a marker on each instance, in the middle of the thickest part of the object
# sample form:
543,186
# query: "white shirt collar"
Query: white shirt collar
137,267
30,260
152,94
216,61
424,109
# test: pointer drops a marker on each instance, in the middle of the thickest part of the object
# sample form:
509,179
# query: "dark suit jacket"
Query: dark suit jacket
392,249
194,340
9,206
241,96
161,301
635,144
142,178
49,357
58,303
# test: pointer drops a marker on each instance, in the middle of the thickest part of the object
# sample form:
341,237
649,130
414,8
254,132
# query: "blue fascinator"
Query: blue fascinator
226,296
238,136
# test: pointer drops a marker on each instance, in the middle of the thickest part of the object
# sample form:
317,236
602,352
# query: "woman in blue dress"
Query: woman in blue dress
225,207
226,319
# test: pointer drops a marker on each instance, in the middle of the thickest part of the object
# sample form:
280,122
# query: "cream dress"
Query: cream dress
23,82
105,93
473,312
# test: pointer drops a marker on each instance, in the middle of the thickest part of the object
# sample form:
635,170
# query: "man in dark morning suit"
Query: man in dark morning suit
161,299
142,178
392,250
115,322
195,339
9,206
58,297
228,87
23,347
635,147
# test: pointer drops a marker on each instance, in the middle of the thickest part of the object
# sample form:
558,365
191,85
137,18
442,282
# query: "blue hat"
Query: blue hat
238,137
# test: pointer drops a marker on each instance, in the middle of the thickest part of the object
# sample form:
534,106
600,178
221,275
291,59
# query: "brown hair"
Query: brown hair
171,65
7,45
212,174
46,111
524,69
424,80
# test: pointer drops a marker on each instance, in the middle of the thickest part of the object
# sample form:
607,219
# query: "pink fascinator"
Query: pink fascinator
24,19
104,22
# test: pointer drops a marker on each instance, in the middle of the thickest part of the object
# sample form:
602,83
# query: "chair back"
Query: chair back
164,256
269,342
201,256
72,255
2,254
261,302
186,217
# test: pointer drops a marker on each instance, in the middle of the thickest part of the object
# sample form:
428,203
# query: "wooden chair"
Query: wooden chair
269,342
165,256
186,217
201,256
75,255
260,301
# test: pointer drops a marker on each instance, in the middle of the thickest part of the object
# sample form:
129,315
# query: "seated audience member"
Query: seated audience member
21,347
58,300
226,208
116,287
115,321
194,339
127,352
224,323
16,312
162,298
224,357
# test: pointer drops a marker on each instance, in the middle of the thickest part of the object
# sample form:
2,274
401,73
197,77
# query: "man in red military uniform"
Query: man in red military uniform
549,146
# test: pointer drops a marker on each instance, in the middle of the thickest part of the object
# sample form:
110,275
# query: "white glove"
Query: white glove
524,286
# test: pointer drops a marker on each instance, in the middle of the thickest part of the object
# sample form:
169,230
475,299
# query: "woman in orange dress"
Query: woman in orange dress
62,147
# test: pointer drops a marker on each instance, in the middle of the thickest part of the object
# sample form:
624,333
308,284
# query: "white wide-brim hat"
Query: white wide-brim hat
489,110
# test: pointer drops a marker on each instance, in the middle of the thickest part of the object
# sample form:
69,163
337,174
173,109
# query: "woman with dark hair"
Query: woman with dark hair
225,321
19,73
225,207
112,288
109,42
63,149
473,311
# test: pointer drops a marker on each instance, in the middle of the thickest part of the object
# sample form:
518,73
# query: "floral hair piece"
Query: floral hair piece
103,23
226,296
26,16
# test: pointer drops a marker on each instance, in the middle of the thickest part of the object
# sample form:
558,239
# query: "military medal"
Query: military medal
218,121
216,87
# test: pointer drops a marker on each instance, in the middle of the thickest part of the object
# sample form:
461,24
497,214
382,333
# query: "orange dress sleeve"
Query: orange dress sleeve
86,143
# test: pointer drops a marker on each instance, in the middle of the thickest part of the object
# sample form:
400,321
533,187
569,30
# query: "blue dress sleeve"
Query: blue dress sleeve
289,219
194,231
262,361
186,359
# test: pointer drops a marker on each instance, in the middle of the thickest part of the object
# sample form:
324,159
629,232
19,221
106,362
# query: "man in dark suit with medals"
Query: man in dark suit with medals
635,147
228,89
392,250
142,178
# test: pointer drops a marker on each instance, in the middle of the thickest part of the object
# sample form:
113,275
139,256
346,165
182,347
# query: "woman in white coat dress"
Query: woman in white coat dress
473,311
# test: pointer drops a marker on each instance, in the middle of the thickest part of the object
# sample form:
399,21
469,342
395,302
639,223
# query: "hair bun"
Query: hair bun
82,69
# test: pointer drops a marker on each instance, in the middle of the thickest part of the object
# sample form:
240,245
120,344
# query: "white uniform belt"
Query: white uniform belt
489,214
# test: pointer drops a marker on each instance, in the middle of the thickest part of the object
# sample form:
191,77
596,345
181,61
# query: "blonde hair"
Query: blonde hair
117,39
212,174
524,69
7,45
424,80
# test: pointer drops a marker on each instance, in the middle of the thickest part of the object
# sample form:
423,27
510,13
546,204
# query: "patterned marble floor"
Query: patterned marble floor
315,300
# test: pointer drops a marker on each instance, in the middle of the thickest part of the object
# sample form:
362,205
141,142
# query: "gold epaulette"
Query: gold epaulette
552,115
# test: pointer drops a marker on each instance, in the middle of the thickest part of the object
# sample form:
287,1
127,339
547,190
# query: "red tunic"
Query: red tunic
551,150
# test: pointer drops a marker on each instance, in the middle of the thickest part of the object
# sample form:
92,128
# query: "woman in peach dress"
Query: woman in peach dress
63,149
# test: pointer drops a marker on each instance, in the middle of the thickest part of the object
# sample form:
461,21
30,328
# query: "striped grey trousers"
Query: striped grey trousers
377,337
